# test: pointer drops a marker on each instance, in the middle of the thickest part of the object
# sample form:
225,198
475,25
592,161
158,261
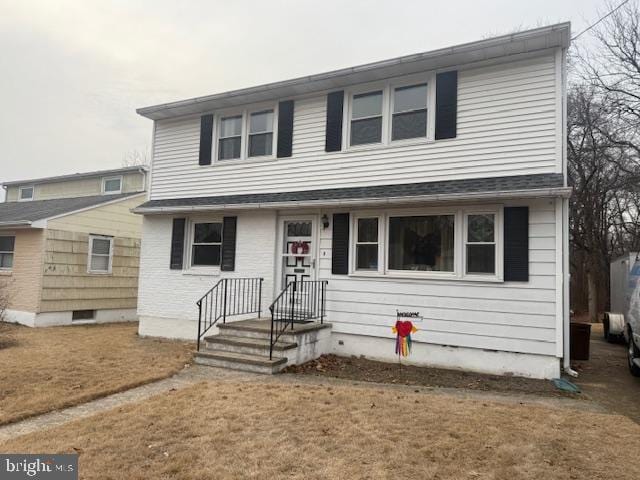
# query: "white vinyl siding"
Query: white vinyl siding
510,316
506,126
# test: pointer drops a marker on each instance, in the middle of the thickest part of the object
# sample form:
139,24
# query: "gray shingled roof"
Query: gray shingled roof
424,189
26,212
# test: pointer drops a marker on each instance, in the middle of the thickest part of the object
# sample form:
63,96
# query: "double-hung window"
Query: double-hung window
230,138
25,194
366,118
207,244
100,254
422,243
409,117
7,246
480,244
367,243
261,133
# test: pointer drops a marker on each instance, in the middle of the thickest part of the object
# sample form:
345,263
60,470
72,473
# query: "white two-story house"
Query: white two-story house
433,183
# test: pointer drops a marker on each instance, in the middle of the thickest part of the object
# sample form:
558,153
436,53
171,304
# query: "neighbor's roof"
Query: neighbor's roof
74,176
451,57
541,185
25,213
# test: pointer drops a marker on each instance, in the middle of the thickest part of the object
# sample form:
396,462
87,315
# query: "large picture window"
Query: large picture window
207,244
366,118
7,246
481,244
367,244
422,243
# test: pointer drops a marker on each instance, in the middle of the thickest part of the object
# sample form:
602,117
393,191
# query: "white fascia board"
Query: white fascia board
561,192
17,224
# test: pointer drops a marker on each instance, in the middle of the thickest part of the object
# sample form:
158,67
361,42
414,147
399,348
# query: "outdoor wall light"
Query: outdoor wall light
325,221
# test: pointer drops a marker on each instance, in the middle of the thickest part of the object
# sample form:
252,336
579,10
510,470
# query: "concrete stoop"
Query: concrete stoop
244,345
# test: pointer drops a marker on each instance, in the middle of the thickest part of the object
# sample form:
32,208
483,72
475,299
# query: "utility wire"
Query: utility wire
601,19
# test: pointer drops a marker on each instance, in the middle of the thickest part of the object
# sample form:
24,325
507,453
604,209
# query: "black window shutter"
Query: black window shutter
516,244
206,137
333,140
285,128
340,244
177,244
446,104
229,226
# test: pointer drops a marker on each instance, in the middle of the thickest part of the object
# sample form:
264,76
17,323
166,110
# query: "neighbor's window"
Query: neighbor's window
112,185
26,193
230,138
481,243
366,118
367,244
7,246
409,118
207,244
100,254
261,133
422,243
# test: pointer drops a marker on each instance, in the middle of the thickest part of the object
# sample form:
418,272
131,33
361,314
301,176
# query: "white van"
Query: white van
624,318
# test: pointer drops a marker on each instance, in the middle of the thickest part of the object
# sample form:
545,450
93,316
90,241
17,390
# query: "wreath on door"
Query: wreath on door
300,248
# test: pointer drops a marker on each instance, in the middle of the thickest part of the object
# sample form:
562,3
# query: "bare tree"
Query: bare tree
134,158
605,177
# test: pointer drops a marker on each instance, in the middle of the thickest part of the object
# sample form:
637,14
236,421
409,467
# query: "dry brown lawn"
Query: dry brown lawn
44,369
272,431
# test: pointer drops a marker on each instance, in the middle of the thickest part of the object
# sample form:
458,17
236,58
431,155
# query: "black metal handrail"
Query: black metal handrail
228,297
298,302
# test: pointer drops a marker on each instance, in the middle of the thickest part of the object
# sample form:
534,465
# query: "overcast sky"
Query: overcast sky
72,73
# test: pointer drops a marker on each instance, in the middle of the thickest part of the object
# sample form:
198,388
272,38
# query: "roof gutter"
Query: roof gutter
16,224
561,192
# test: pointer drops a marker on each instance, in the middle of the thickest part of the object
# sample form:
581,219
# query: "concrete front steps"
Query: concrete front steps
244,345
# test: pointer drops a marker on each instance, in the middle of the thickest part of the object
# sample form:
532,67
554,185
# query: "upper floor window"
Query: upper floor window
25,194
100,254
7,246
409,118
230,138
112,185
206,248
261,133
366,118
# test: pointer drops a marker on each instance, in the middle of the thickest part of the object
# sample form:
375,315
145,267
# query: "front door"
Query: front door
298,259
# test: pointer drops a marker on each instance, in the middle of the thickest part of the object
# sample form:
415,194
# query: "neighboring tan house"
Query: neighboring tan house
69,247
434,184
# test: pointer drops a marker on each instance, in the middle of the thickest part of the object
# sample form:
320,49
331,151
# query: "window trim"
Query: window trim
12,252
497,237
111,192
109,270
430,122
272,131
353,250
25,187
202,269
387,87
245,113
459,259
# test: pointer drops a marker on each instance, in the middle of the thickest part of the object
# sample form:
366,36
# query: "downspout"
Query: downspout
566,290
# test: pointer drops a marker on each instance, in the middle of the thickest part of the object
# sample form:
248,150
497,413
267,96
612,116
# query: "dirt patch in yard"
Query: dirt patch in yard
45,369
228,430
362,369
605,377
